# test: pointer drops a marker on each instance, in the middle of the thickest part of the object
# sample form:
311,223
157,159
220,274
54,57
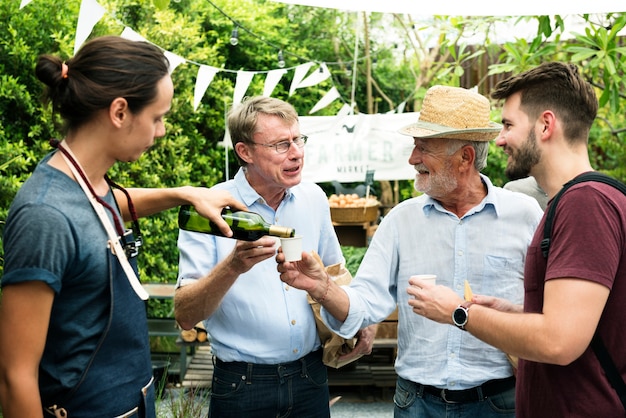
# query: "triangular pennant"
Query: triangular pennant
175,60
345,110
326,100
315,77
128,33
90,13
241,85
204,78
300,72
271,81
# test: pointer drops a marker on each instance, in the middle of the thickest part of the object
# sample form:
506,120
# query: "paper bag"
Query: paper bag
334,345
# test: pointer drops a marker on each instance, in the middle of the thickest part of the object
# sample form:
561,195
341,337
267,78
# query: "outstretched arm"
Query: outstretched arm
558,335
208,202
309,274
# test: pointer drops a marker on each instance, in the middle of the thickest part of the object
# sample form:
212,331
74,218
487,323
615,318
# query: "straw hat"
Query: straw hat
454,113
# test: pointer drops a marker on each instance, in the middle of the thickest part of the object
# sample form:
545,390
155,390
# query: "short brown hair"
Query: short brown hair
558,87
242,118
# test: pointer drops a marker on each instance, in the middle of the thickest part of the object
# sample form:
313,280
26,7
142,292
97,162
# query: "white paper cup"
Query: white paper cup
432,278
292,248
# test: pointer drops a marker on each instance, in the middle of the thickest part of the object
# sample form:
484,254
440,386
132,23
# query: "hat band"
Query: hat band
436,127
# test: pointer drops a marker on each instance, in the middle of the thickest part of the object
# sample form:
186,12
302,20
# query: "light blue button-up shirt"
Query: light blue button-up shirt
261,319
487,246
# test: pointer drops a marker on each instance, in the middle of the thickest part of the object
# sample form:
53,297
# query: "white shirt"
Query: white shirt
487,246
261,319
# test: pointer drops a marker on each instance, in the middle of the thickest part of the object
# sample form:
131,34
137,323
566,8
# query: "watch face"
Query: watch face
460,316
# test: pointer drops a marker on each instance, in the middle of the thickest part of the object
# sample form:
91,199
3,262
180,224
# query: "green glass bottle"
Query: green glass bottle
246,226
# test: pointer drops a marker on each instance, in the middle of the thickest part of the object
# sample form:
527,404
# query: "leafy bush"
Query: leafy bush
353,256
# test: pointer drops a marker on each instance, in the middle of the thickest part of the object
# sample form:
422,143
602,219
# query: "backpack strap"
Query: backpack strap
609,367
589,176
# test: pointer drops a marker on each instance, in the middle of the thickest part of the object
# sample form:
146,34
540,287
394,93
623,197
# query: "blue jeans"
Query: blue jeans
412,402
295,389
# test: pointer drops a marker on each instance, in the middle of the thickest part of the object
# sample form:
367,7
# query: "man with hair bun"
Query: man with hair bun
73,328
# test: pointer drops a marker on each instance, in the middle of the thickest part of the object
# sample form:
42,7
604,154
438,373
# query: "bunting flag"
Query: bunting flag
301,71
130,34
174,60
204,78
90,13
241,85
326,100
345,110
271,81
315,77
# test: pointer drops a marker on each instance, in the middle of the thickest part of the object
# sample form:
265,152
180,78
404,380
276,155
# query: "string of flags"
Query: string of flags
91,12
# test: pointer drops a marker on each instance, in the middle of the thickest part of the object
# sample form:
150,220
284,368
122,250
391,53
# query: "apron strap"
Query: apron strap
114,240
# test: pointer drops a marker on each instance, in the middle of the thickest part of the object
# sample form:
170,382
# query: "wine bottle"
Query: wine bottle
246,226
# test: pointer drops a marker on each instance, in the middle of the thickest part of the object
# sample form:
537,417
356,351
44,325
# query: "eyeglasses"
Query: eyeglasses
283,146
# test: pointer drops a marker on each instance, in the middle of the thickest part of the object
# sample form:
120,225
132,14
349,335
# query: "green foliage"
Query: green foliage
409,57
353,256
600,55
183,403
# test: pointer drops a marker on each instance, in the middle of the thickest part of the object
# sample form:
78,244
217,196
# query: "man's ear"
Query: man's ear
468,155
243,151
118,111
548,122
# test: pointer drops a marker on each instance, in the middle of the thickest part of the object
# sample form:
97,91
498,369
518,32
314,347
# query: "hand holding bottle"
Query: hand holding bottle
209,204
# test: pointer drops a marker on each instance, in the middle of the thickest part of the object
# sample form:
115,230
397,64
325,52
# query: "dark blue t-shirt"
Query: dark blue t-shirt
53,235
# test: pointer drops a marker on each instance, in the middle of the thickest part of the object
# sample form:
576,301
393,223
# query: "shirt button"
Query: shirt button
295,351
287,287
293,322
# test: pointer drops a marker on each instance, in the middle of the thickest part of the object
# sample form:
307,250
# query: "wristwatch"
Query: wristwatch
460,315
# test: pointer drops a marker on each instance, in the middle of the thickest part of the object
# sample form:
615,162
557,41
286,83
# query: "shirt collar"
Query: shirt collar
488,202
248,195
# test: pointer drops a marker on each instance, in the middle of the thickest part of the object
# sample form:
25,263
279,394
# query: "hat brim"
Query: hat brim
432,130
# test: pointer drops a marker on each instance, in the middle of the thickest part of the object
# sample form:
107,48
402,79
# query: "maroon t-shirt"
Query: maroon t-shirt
588,242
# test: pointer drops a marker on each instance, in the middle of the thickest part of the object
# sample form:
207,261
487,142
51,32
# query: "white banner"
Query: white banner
343,148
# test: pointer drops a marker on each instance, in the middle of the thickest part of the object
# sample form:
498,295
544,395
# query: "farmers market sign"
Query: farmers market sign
344,148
